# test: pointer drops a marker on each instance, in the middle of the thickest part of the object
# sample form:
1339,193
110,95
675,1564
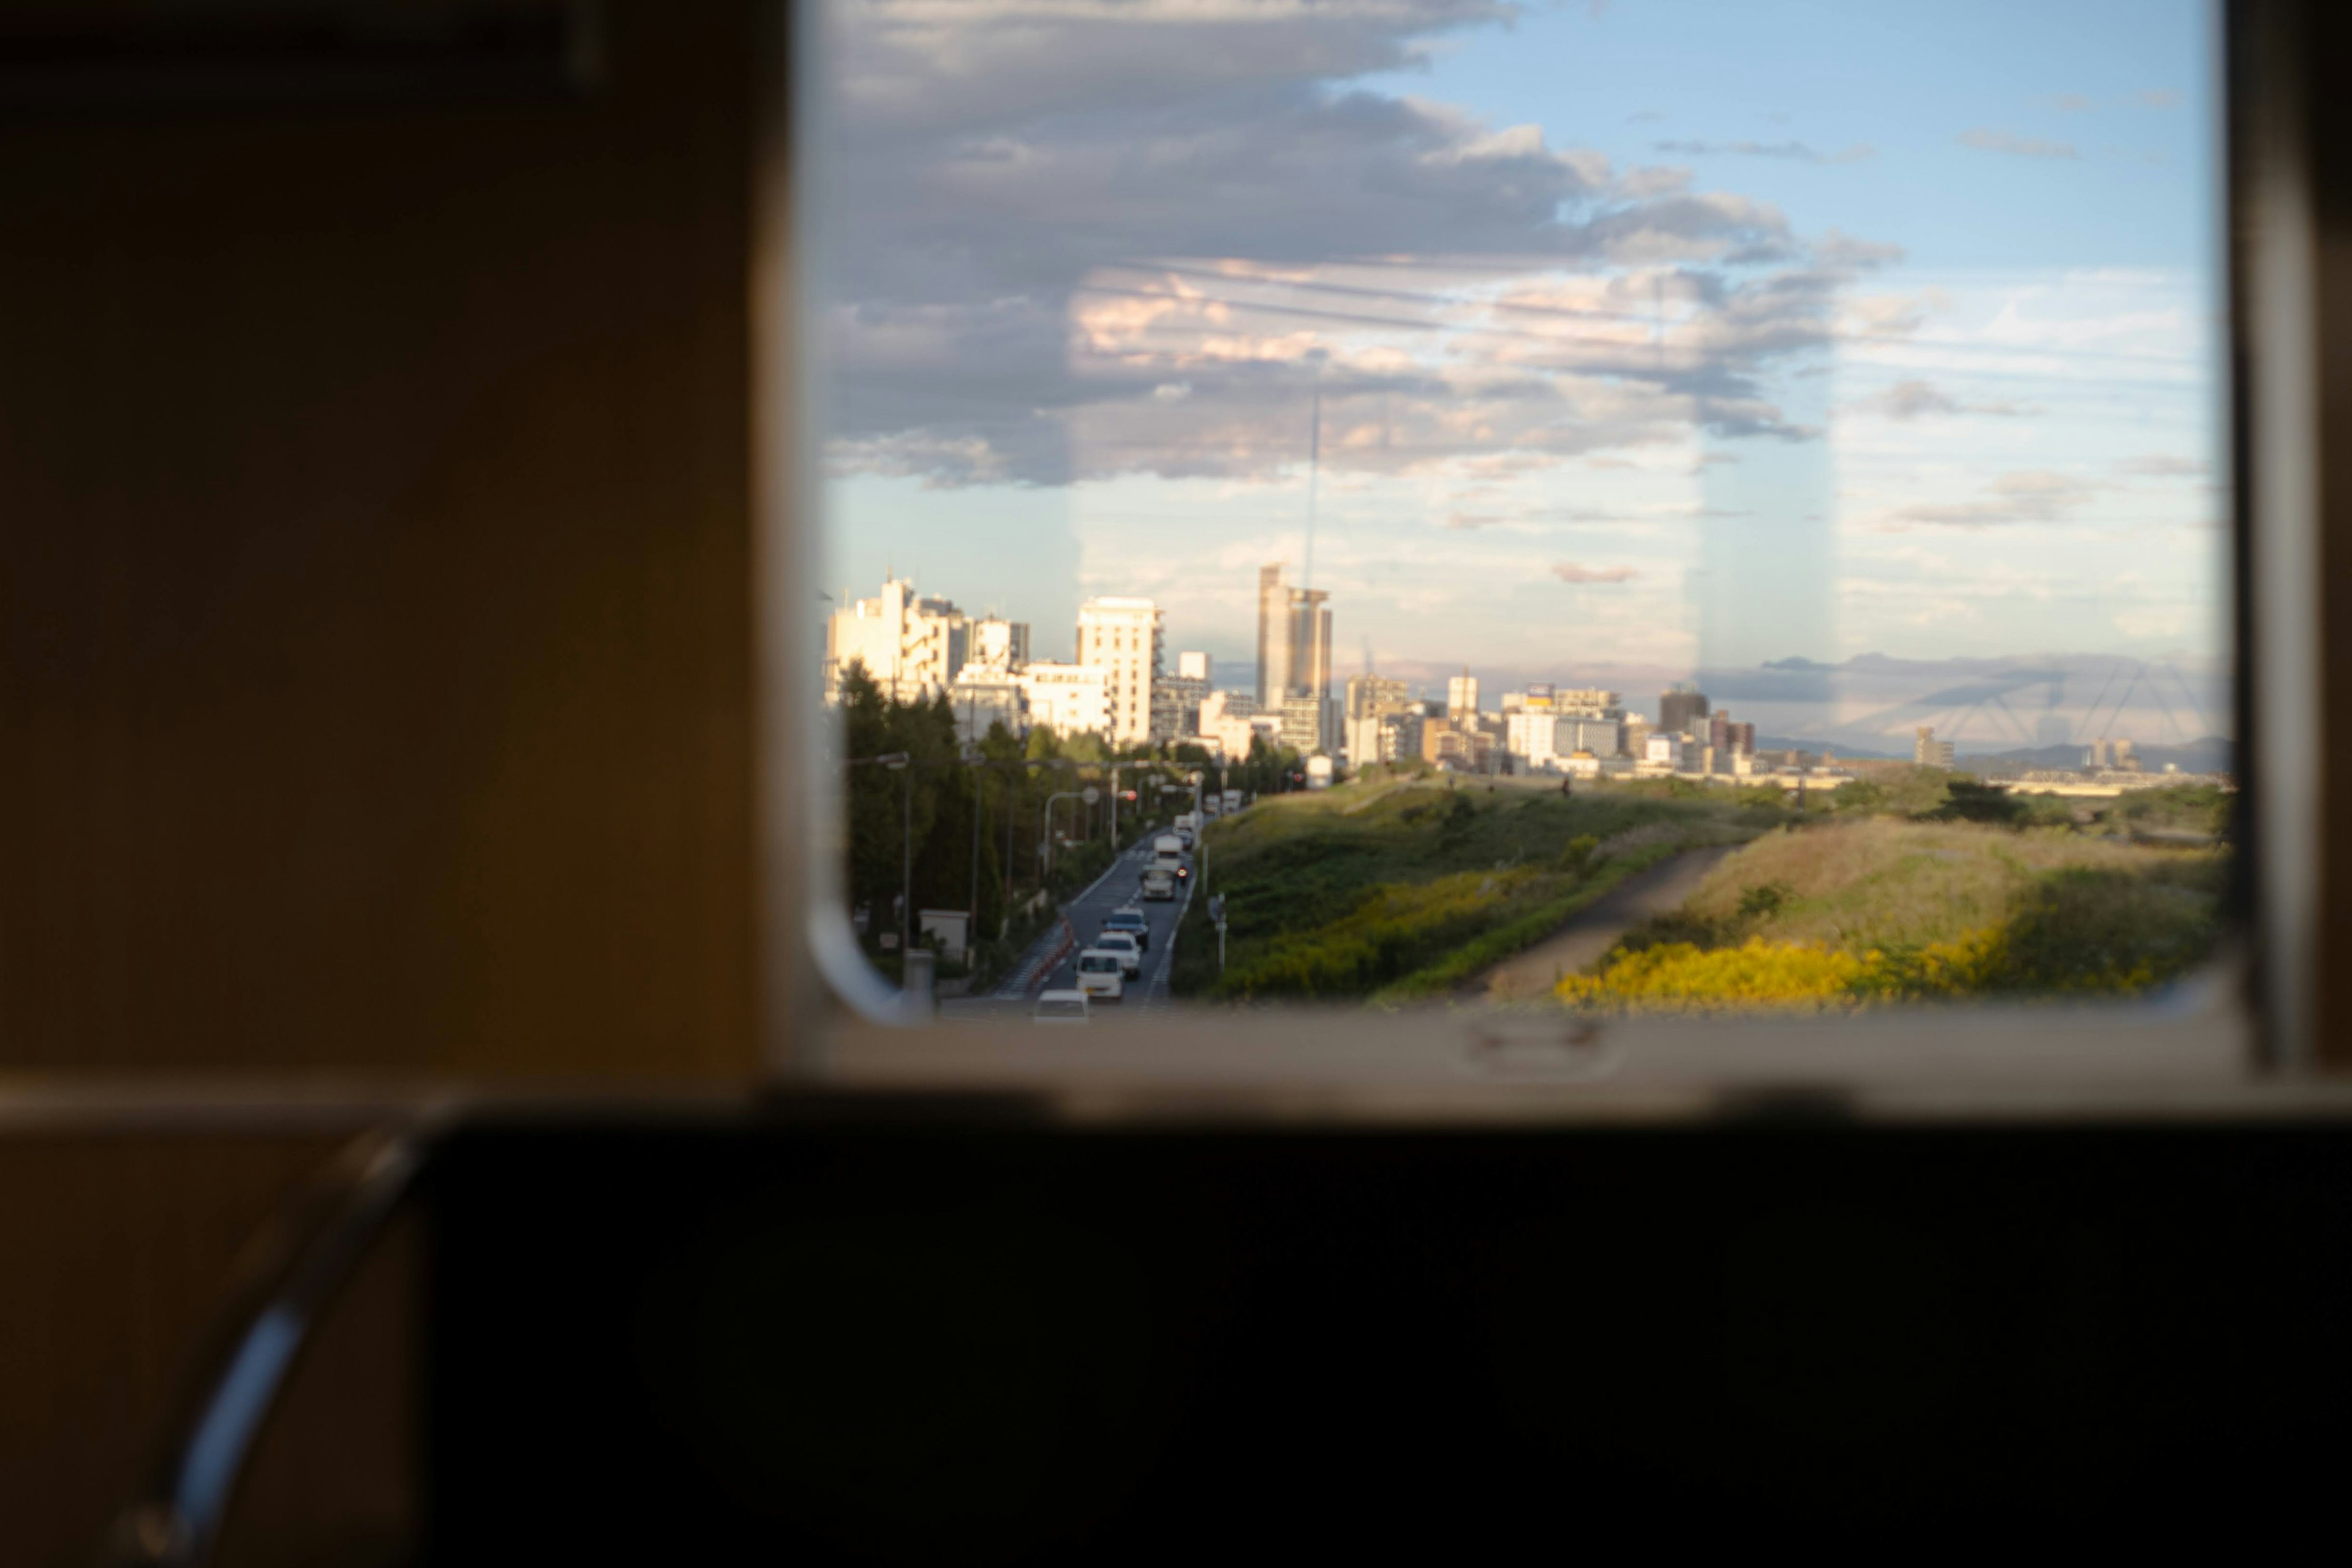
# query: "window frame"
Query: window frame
2250,1014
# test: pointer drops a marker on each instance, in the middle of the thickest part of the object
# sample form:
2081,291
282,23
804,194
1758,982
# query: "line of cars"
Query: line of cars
1115,955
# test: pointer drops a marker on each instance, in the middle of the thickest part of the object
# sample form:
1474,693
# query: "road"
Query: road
1115,888
1645,893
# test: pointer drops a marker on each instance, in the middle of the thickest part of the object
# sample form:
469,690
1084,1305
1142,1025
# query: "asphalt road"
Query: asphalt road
1115,888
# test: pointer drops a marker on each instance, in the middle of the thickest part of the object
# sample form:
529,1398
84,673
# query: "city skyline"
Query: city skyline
1623,374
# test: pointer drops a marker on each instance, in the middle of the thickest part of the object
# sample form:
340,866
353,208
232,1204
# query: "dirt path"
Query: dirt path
1587,936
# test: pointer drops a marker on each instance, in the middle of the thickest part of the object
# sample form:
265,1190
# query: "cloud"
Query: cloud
1034,210
1914,399
1645,117
1573,571
1465,522
2158,98
2069,103
2030,496
2158,465
1985,140
1796,152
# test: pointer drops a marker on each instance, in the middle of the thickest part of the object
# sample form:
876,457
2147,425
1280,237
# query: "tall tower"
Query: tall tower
1273,638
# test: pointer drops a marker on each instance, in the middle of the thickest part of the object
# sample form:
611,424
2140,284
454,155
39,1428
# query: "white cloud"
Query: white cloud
1574,572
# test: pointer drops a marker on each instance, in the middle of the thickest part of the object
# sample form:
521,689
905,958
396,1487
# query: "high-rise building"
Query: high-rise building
1121,639
1928,751
1273,637
1461,694
912,647
1293,654
1194,667
1680,708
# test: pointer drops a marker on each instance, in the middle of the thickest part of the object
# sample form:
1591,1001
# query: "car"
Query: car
1102,973
1133,923
1184,836
1130,950
1061,1007
1159,885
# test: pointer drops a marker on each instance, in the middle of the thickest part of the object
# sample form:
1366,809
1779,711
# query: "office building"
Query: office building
1067,698
1461,695
1176,706
1121,639
1293,652
1370,700
1194,667
912,647
1681,709
1928,751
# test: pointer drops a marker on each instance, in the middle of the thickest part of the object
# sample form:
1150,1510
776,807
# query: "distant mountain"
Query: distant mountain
2210,754
1859,754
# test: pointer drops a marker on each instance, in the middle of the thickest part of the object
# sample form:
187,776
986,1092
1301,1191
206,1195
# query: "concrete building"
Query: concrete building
1294,652
998,644
1681,707
912,647
1194,667
1667,749
1230,720
1528,735
984,696
1461,695
1067,698
1928,751
1121,639
1371,700
1176,707
1303,722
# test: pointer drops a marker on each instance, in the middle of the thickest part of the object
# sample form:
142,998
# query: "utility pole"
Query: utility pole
897,762
971,921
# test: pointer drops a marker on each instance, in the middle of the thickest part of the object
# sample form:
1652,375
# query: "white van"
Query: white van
1103,974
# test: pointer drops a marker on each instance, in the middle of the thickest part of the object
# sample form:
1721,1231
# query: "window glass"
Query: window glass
1658,505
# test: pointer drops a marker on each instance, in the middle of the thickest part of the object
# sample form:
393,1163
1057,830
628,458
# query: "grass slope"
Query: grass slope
1407,887
1923,908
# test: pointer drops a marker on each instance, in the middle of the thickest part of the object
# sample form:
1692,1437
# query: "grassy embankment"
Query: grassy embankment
1933,889
1392,891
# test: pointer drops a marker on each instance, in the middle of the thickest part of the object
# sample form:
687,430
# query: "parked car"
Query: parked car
1133,923
1061,1007
1130,950
1102,973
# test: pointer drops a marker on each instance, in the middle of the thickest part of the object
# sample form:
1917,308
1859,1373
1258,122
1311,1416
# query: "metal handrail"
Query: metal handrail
175,1517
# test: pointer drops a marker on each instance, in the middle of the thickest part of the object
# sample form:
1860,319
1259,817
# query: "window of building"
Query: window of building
1678,530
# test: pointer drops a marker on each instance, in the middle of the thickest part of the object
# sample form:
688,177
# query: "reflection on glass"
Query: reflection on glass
1673,505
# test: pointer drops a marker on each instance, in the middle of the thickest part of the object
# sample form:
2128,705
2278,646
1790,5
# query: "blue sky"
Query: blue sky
1653,338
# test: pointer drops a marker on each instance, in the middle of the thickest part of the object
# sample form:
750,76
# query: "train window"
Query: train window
1569,514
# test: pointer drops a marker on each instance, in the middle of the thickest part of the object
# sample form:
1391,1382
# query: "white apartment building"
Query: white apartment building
1461,695
982,697
1121,638
1228,720
1067,698
912,647
1194,667
1530,737
998,644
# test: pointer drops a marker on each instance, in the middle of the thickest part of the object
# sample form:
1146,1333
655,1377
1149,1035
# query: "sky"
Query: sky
1784,346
